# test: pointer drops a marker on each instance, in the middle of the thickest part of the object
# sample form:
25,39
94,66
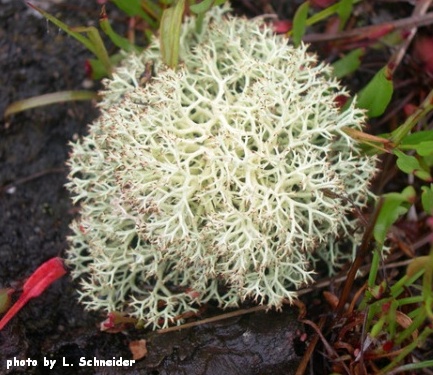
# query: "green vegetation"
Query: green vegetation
389,315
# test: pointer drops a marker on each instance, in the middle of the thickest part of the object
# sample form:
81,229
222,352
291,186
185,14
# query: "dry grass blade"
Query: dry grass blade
46,99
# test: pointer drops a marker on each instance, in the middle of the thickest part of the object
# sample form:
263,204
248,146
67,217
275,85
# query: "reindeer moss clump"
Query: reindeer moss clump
223,180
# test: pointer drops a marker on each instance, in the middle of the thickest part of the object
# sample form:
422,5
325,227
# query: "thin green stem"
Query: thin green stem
402,131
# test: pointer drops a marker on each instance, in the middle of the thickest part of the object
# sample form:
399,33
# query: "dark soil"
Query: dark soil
35,211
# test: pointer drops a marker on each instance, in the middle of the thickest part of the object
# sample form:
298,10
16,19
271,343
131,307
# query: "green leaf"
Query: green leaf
92,42
406,163
134,8
117,39
410,164
201,7
425,148
300,23
99,48
349,63
5,299
394,205
418,137
171,23
82,39
377,328
421,142
402,132
427,199
376,96
97,68
130,7
153,9
344,11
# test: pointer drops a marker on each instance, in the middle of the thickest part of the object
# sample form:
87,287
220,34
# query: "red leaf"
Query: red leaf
88,70
40,280
424,52
282,26
138,349
341,100
387,346
322,3
116,322
409,109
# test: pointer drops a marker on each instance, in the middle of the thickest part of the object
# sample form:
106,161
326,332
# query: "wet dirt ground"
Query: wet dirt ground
35,211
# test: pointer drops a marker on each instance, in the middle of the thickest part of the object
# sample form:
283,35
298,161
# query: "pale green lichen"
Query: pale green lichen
224,180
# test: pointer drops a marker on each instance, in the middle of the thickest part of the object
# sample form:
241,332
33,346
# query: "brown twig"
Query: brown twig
34,176
214,319
310,349
329,349
420,9
324,283
360,256
363,32
297,303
